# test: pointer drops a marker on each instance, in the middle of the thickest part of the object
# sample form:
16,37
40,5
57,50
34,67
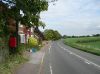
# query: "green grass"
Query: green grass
11,63
14,60
87,44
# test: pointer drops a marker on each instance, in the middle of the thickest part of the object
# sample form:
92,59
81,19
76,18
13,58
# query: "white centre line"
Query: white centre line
51,70
49,49
84,59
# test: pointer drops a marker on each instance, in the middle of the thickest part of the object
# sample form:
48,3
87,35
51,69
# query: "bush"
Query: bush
33,42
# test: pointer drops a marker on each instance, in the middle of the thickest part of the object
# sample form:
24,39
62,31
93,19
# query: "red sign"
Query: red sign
12,42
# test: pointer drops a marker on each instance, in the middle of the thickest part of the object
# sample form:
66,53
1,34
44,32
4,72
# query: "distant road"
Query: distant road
62,59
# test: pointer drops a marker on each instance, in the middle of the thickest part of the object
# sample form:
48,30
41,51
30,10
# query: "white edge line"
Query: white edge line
42,58
51,70
41,63
86,61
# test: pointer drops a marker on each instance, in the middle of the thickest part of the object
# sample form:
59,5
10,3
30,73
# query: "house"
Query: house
25,33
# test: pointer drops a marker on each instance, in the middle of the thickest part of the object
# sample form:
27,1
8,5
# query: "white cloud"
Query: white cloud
73,16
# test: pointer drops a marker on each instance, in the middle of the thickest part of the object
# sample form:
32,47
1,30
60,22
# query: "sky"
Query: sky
73,17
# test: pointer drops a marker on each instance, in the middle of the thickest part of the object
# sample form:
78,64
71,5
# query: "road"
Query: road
62,59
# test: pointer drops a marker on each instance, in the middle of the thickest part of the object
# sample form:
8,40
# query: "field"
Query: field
88,44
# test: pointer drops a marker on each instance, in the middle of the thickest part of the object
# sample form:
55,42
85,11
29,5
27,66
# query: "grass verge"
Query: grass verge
11,63
84,47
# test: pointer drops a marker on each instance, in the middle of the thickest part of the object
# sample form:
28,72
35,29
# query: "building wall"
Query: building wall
25,33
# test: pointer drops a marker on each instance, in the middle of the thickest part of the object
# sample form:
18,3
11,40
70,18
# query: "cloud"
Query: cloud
73,16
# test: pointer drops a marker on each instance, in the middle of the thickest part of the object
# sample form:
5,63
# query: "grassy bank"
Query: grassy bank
87,44
11,63
14,60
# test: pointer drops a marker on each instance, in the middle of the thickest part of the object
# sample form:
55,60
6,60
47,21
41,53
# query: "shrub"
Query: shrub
33,42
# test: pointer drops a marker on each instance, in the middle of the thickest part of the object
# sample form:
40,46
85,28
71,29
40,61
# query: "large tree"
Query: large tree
51,34
10,12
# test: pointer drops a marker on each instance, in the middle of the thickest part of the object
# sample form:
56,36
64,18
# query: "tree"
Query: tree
51,34
38,32
96,35
65,36
10,9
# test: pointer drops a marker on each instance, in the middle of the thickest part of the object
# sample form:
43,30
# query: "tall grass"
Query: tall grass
11,63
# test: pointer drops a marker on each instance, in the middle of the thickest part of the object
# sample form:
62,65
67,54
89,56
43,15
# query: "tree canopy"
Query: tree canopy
52,34
30,8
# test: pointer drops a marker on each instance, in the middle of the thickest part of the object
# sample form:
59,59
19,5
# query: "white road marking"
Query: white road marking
64,49
87,62
70,53
42,58
50,64
84,59
49,49
41,63
51,70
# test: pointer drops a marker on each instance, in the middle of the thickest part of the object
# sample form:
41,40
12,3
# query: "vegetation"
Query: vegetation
26,12
88,44
10,12
11,63
32,42
94,35
51,34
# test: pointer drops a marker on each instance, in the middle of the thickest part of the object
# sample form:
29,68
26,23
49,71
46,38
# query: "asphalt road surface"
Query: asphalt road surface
62,59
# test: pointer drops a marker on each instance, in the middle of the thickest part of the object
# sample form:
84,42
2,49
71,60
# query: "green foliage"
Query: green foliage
88,44
33,42
31,13
22,48
32,9
29,8
3,28
11,63
52,35
25,20
42,24
96,35
56,35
